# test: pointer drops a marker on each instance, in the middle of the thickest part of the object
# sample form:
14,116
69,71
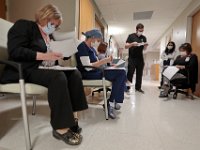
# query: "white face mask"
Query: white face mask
139,33
49,28
95,44
183,53
169,47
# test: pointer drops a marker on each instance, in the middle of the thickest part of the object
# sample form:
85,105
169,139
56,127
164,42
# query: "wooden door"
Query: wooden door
196,43
3,9
87,16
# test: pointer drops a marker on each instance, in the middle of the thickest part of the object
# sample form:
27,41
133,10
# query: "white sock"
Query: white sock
112,104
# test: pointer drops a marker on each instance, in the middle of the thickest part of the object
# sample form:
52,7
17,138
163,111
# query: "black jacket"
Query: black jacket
24,41
191,65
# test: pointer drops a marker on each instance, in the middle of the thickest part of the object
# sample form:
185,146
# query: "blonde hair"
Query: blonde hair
48,12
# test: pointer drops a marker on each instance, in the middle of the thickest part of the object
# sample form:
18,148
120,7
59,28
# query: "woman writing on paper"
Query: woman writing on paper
28,44
87,56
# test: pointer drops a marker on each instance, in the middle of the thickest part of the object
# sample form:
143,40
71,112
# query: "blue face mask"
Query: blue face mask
49,28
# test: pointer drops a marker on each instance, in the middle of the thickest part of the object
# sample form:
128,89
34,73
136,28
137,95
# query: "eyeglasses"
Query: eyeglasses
57,27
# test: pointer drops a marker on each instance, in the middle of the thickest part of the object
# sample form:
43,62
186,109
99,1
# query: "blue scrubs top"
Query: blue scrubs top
84,50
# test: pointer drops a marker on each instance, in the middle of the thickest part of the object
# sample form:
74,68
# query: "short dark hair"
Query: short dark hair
187,47
139,26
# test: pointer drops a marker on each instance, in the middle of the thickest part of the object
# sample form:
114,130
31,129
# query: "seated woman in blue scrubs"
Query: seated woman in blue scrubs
87,55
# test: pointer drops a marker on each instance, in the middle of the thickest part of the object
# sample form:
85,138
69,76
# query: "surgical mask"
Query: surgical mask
49,28
95,44
169,47
139,33
183,53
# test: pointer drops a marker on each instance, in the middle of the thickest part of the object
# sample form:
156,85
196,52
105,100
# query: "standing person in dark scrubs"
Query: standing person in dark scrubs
136,43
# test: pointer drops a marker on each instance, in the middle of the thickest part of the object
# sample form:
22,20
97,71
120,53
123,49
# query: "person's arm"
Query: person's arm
83,55
102,61
85,60
129,45
19,38
163,56
193,61
130,42
176,63
145,43
180,66
48,56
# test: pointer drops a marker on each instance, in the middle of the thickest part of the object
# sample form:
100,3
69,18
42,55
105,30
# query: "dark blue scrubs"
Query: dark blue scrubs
117,77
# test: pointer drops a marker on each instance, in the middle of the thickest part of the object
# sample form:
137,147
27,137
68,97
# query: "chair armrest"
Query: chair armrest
14,65
98,68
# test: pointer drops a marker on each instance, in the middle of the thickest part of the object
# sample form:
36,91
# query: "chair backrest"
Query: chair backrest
3,56
4,26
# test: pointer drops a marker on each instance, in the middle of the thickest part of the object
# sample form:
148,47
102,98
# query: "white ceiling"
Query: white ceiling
119,13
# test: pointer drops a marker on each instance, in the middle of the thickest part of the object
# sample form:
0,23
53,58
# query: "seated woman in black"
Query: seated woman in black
87,55
187,63
28,44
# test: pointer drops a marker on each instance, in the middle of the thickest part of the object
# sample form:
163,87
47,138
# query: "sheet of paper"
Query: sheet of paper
115,68
57,67
120,63
141,44
67,47
170,71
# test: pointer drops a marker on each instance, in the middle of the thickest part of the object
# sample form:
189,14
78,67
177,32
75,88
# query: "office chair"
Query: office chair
183,85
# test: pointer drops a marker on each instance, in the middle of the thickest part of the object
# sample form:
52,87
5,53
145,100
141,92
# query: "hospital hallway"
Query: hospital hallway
145,122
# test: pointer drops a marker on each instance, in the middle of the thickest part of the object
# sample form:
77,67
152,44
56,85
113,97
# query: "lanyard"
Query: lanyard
46,63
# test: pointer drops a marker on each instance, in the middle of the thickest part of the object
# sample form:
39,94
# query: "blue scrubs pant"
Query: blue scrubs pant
118,79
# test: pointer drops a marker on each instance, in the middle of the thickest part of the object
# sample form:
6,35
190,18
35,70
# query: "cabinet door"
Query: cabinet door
196,43
2,9
87,16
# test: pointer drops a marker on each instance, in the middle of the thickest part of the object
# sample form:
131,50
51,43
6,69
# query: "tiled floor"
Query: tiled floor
145,122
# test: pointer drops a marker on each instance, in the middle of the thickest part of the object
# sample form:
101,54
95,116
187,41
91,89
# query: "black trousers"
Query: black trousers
138,65
65,94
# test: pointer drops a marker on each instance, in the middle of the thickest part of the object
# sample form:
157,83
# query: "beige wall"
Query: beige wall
180,30
149,59
26,9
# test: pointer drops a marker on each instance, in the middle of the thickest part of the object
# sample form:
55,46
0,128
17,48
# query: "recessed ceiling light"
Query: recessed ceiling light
142,15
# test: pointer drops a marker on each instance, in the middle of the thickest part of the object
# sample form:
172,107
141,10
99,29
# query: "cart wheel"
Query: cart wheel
174,96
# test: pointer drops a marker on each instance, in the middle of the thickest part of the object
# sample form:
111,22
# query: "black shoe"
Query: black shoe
76,127
69,137
140,90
